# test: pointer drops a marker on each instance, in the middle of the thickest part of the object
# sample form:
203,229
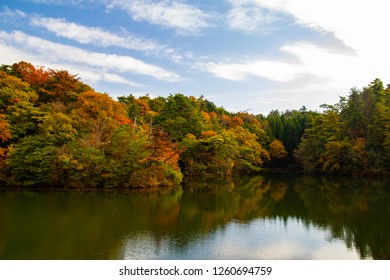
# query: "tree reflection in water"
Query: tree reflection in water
270,216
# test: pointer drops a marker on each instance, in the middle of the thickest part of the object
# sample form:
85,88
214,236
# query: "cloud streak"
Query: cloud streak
100,37
9,14
64,3
273,70
184,18
311,64
248,17
54,52
95,35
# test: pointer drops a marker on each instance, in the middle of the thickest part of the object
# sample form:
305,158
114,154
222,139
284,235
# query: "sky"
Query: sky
243,55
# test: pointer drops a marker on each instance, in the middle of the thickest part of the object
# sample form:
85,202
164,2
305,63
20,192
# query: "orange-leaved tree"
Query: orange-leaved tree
97,116
5,134
161,163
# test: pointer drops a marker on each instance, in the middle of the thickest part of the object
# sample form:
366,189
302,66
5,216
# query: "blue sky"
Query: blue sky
256,55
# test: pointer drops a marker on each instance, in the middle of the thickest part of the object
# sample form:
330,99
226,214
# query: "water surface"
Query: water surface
256,217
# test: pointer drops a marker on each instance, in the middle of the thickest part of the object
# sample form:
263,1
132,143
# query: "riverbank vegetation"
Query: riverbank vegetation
57,131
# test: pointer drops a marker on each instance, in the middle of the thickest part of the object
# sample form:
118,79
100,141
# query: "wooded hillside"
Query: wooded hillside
57,131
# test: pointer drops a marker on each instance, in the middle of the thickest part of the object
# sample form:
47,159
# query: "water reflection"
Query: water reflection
260,217
260,239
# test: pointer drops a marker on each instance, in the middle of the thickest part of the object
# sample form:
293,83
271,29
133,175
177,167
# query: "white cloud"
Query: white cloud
355,23
11,14
97,36
311,60
360,26
184,18
250,18
103,38
10,54
94,35
63,3
273,70
21,45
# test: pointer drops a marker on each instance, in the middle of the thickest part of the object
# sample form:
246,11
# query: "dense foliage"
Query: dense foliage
56,130
352,136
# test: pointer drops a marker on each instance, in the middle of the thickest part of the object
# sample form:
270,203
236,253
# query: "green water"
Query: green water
258,217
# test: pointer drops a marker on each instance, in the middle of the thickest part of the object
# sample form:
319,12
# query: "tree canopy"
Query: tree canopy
57,131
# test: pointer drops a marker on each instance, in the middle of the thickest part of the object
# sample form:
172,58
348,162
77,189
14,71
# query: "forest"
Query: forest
57,131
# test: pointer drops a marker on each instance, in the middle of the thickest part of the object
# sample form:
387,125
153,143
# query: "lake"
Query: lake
276,216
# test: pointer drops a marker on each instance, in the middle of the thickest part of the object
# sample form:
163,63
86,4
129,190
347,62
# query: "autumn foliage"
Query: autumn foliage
57,131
